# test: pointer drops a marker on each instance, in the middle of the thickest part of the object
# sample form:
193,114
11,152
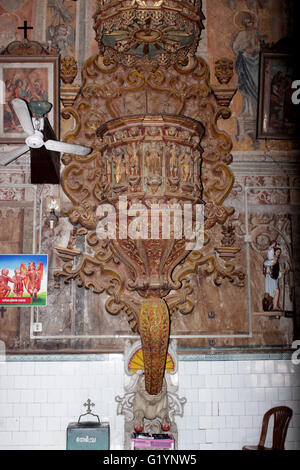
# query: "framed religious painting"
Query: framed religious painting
31,79
277,114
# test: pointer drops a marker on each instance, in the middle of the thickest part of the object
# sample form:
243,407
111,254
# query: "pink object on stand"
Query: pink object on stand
152,443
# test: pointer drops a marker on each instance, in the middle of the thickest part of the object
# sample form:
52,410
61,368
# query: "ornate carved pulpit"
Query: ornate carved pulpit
147,108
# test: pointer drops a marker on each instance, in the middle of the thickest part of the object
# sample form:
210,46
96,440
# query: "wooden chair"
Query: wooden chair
282,417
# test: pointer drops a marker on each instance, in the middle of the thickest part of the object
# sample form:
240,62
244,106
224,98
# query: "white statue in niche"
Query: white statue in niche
272,274
144,412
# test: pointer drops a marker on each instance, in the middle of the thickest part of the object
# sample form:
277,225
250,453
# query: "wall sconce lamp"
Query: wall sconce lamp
53,208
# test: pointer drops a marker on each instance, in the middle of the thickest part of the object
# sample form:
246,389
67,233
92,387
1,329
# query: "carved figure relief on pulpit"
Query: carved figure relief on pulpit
120,162
173,162
153,160
186,166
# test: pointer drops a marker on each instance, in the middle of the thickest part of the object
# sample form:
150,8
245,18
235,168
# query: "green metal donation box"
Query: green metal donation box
88,435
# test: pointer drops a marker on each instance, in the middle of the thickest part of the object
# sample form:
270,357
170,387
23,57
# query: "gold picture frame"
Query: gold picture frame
277,115
29,78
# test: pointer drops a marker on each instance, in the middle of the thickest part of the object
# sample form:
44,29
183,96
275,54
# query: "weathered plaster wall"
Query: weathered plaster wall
73,311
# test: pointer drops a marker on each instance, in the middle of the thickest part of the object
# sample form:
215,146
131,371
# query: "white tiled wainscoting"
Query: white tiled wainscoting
226,399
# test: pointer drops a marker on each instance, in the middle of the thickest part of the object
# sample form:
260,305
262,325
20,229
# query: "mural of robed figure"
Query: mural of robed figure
246,46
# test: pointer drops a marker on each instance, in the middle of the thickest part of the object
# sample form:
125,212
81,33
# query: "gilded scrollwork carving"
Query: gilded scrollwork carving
156,140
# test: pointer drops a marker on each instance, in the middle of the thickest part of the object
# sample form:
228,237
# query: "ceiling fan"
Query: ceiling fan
38,131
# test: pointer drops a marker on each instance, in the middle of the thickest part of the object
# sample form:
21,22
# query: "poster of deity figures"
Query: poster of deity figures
23,280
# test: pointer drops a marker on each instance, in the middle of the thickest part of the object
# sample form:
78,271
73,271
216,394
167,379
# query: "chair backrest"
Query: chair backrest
282,417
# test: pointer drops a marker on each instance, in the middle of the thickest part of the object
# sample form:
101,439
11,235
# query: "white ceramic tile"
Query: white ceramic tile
40,396
244,395
277,380
211,381
231,367
39,423
12,424
239,435
199,436
296,393
271,394
250,380
251,408
238,409
225,409
26,423
257,367
206,447
197,381
217,394
13,396
27,368
225,381
218,422
232,422
264,380
190,368
204,367
283,367
269,366
192,394
215,408
53,423
218,367
13,368
6,410
198,409
212,436
237,381
34,409
204,395
225,435
5,438
204,422
284,393
231,395
26,396
246,422
258,394
244,367
47,409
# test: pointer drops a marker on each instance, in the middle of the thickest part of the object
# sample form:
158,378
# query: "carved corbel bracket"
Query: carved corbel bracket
68,94
223,95
224,74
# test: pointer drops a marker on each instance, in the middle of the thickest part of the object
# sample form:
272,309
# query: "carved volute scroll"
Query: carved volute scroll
155,138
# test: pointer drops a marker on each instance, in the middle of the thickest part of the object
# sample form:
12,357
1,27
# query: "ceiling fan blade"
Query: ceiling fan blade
23,114
64,147
10,156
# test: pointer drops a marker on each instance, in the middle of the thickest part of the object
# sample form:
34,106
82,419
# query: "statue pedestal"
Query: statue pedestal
149,414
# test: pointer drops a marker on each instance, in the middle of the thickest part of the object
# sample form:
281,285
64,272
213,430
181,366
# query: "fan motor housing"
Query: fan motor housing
36,140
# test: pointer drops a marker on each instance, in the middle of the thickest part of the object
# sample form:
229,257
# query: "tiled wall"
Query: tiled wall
226,400
39,399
